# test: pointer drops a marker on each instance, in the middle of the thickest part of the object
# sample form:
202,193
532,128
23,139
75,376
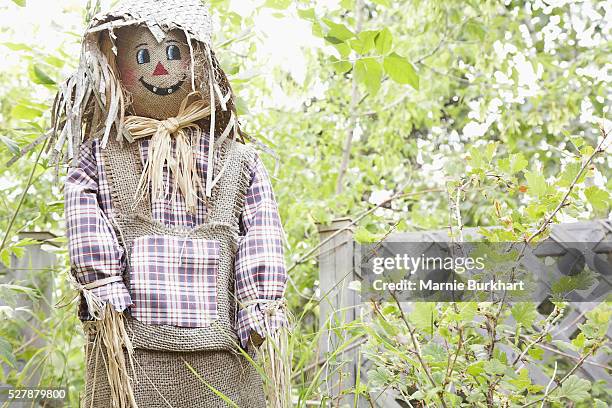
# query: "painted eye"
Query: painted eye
143,57
173,52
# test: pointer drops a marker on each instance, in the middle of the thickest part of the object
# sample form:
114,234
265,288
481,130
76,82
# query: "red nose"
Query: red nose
160,70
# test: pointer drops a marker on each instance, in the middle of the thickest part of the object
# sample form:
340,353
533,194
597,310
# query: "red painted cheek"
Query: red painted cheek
129,77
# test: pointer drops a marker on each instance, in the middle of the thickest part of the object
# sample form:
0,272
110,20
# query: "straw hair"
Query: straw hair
275,356
109,328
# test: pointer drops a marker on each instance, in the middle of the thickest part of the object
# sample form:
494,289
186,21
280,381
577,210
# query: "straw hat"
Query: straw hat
191,16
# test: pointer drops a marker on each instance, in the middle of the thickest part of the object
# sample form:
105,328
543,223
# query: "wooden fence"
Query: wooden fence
339,261
34,269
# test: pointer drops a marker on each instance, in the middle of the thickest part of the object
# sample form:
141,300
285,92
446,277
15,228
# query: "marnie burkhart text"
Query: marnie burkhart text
429,285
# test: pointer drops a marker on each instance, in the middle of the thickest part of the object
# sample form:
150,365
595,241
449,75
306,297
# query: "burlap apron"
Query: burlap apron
162,352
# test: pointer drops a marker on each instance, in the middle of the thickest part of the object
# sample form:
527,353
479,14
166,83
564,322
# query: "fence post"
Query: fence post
338,302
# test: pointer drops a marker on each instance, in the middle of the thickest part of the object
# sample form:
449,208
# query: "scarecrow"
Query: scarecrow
174,235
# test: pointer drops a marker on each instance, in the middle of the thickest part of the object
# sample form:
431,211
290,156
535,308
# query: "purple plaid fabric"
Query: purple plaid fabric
260,266
174,287
174,280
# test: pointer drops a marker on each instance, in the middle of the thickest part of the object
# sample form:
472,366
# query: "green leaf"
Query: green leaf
537,184
467,311
6,353
30,292
343,49
387,327
536,353
490,151
598,198
476,369
12,146
581,281
278,4
475,30
579,341
477,158
434,352
38,76
379,376
347,4
363,236
586,151
575,388
417,395
517,163
386,3
569,173
401,70
341,66
424,315
524,313
337,31
5,257
20,3
17,46
364,42
494,367
369,73
600,404
307,14
22,112
241,106
384,41
577,141
522,381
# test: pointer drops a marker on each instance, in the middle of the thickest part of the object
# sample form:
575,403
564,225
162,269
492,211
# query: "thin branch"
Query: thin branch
359,218
561,381
563,202
387,107
23,196
575,359
556,315
446,74
552,380
451,366
350,131
417,350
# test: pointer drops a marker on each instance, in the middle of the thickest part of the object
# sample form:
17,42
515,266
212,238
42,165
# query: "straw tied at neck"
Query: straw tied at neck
182,164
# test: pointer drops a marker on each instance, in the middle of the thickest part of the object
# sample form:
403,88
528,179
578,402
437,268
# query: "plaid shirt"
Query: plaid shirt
96,254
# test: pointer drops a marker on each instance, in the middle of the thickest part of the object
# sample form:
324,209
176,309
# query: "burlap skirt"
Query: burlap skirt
163,380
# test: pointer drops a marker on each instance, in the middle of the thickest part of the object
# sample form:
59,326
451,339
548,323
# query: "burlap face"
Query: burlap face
157,75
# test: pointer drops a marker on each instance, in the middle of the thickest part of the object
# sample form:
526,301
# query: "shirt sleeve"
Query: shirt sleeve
260,263
92,243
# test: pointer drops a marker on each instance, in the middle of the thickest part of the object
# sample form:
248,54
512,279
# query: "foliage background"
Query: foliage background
442,113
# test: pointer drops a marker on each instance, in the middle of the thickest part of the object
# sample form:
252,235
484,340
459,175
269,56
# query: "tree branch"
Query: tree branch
346,153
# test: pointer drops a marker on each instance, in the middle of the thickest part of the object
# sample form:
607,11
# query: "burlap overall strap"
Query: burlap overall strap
123,169
227,203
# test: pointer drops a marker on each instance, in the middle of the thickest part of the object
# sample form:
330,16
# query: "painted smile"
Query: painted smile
162,91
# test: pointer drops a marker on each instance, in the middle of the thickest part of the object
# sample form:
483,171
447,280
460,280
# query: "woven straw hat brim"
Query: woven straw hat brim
191,16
